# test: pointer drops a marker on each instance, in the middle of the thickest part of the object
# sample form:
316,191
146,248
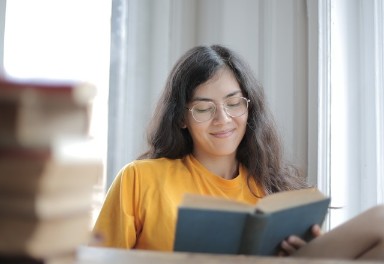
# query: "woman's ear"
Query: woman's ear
183,124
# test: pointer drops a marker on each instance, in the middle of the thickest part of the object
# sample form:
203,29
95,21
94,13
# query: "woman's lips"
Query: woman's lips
223,134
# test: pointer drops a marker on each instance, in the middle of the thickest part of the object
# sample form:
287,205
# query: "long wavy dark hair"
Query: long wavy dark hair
260,149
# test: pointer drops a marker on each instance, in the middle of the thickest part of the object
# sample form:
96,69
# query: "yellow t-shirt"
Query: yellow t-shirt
140,208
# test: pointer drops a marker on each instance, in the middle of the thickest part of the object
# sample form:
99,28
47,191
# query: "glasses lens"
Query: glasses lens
236,106
203,111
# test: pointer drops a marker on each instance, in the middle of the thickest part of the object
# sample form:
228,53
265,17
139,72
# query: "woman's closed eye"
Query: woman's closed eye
200,108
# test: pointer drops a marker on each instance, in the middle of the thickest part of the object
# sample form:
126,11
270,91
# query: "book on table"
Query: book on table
65,258
32,113
67,164
209,224
43,238
48,169
46,197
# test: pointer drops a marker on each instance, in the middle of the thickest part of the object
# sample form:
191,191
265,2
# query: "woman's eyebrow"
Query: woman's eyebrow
201,99
232,94
211,100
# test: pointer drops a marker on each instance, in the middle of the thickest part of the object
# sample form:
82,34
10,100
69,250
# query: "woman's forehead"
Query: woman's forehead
222,84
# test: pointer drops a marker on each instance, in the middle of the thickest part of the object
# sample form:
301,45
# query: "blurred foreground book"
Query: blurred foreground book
48,168
32,113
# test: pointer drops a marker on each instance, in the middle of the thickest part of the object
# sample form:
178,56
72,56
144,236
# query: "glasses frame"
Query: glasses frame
225,109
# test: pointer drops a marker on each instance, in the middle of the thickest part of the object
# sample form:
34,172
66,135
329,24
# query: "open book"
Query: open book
217,225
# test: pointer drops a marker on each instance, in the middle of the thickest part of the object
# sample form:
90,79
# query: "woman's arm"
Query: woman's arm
362,237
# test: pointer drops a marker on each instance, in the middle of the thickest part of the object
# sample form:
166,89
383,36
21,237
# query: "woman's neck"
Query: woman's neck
227,167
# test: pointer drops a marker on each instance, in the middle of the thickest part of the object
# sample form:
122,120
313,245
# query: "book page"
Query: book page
288,199
215,203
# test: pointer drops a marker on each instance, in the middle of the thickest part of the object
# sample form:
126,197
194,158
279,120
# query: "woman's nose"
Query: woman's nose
221,115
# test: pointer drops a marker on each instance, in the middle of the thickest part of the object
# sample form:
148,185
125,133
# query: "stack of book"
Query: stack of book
48,168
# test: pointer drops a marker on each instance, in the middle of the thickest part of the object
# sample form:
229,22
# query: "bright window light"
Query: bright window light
62,40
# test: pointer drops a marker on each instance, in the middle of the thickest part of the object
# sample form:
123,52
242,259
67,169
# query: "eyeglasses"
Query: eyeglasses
233,107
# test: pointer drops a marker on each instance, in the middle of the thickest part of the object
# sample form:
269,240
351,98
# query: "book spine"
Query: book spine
37,91
253,233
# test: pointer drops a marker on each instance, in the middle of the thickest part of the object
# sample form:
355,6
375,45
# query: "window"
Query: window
62,40
351,110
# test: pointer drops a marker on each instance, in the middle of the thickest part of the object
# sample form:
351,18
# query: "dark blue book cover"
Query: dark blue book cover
209,231
263,233
236,229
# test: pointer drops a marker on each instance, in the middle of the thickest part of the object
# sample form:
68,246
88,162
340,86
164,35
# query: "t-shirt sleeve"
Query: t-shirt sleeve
118,223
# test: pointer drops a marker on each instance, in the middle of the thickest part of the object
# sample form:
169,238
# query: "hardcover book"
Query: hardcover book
36,238
49,167
66,165
217,225
33,113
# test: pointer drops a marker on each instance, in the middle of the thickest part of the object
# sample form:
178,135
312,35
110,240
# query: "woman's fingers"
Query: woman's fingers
291,245
316,231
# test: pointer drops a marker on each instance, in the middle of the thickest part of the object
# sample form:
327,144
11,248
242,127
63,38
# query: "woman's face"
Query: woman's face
221,135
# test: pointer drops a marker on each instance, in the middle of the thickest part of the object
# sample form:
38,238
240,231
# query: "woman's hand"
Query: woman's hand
293,243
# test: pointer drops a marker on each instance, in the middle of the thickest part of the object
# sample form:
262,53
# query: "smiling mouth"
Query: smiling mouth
223,134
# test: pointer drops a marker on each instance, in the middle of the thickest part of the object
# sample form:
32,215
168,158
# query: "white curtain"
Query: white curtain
2,27
351,114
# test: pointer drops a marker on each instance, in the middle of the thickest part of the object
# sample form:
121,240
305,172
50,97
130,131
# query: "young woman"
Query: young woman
211,134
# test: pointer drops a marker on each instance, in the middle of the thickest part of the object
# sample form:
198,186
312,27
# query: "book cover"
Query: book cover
276,226
216,225
207,231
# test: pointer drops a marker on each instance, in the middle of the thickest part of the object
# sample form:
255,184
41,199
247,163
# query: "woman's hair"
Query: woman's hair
260,149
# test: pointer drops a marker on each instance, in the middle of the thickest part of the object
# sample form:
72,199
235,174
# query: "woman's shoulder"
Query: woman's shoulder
152,166
147,173
159,162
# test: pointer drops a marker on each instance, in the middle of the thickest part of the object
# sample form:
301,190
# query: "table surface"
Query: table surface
96,255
